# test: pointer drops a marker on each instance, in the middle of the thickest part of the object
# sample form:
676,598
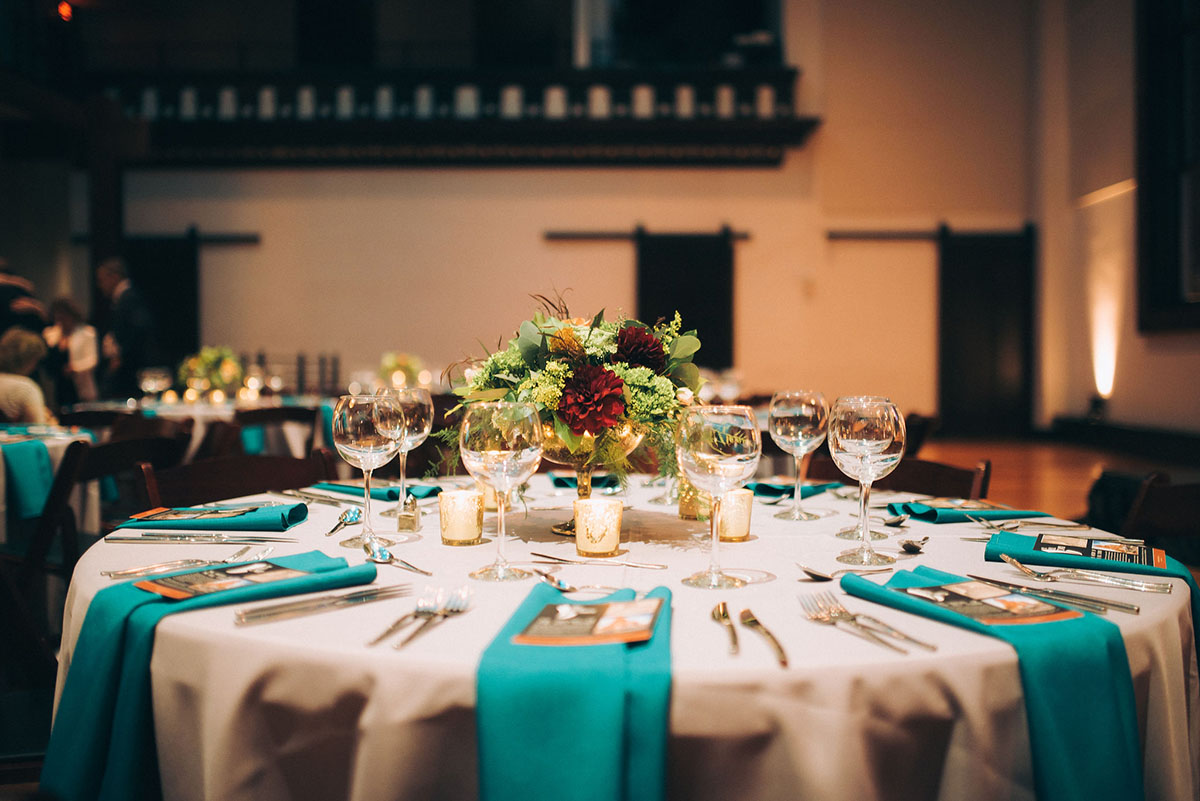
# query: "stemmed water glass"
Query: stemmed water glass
798,422
501,445
417,407
866,440
718,448
359,423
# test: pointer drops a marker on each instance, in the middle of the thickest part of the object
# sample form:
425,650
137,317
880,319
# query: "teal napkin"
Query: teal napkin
1020,547
30,474
931,514
606,481
1083,729
379,493
102,744
611,705
264,518
774,490
327,425
254,439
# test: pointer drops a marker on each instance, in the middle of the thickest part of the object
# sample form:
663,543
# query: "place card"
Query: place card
990,605
1113,551
592,624
202,582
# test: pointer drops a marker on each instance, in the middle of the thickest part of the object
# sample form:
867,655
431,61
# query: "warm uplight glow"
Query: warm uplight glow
65,12
1104,340
1109,245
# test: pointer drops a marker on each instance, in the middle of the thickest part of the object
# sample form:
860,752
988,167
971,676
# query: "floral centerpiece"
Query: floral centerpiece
400,369
211,368
602,387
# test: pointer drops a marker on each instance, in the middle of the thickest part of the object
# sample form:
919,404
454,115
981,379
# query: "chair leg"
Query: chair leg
32,651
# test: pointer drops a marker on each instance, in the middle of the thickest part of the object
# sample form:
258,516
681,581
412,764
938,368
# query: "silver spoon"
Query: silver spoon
817,575
562,586
720,613
896,521
346,518
913,546
381,555
775,500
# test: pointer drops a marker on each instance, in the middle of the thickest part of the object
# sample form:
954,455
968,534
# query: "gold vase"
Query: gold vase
556,450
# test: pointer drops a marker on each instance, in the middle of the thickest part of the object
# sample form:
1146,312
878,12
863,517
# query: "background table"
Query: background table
85,500
301,709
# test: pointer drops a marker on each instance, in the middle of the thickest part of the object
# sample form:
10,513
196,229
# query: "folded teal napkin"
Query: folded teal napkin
1083,729
102,745
254,439
30,474
932,514
611,706
605,481
379,493
1020,547
770,489
264,518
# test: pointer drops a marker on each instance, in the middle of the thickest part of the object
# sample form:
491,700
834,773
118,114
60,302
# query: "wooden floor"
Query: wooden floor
1040,474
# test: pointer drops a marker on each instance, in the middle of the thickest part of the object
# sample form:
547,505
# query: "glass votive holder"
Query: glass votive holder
597,526
734,525
489,495
461,513
694,503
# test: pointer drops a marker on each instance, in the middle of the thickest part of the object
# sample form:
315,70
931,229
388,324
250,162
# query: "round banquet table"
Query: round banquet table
302,709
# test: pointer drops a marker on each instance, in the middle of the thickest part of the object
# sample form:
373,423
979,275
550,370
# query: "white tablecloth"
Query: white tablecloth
302,709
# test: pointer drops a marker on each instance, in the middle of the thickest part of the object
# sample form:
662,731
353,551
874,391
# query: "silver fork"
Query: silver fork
820,614
458,602
427,604
1088,577
179,564
839,612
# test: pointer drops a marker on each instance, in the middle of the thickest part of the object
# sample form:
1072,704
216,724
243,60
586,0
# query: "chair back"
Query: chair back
1163,510
221,440
232,477
95,419
57,520
138,426
920,475
918,429
309,416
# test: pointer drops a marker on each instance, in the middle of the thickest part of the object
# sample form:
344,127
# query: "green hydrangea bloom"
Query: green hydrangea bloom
648,397
501,369
545,386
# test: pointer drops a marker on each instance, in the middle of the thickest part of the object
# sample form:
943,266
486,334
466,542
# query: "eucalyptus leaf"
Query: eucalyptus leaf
684,346
688,375
566,435
488,394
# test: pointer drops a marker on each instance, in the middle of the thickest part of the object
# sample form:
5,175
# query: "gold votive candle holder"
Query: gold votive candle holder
461,513
597,526
734,525
694,504
489,495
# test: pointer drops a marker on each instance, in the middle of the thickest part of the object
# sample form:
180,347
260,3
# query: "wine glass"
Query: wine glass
866,440
718,448
417,408
798,422
359,422
501,445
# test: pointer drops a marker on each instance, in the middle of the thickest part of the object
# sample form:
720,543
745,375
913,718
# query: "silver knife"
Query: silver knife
321,603
158,539
751,622
1090,602
622,563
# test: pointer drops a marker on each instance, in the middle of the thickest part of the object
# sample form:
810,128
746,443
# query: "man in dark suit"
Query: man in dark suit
127,345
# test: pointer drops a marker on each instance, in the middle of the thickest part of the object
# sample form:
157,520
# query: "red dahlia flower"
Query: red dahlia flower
592,400
637,347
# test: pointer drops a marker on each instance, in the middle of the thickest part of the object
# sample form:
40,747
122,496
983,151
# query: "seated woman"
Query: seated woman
21,399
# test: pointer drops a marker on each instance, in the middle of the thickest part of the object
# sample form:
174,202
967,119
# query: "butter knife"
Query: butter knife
1089,602
621,563
751,622
320,603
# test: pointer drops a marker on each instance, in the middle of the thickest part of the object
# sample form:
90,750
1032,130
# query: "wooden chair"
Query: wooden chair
919,475
222,440
218,479
276,416
1167,516
918,429
95,419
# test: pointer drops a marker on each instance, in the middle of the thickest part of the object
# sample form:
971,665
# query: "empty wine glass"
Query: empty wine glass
718,448
866,440
798,422
358,425
417,408
501,445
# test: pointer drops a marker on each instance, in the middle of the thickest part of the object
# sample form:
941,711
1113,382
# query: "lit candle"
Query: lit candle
461,513
735,515
597,526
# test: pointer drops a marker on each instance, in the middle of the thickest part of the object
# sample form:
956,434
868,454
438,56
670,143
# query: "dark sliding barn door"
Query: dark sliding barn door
985,336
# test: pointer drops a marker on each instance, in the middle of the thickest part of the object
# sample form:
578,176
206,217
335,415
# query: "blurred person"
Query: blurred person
126,346
73,353
18,306
21,399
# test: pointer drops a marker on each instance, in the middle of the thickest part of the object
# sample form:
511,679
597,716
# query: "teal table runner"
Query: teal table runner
937,514
610,703
379,493
102,745
1020,547
605,481
264,518
1083,729
29,475
768,489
